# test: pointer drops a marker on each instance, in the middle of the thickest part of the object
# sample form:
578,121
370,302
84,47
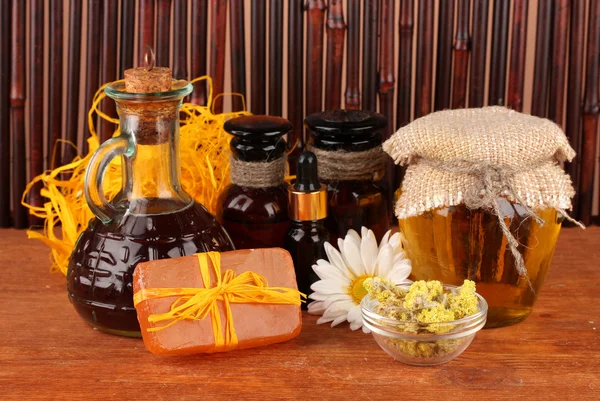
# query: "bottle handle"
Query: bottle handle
94,175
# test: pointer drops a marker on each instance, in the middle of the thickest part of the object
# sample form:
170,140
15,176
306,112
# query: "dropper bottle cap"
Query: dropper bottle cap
308,197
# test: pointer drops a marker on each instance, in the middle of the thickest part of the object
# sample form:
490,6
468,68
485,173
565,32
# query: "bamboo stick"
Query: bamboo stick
295,95
5,50
258,67
542,59
516,73
127,27
180,40
73,74
336,31
145,28
590,116
218,22
556,98
92,63
352,95
424,72
55,73
275,57
461,56
443,74
498,60
403,104
109,64
36,101
574,94
163,31
198,45
17,110
238,51
479,53
314,55
369,57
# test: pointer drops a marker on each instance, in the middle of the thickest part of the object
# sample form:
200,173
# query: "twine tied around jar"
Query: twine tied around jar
258,174
340,165
494,181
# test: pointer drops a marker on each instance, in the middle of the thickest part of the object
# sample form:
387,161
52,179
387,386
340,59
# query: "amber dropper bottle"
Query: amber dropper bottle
307,209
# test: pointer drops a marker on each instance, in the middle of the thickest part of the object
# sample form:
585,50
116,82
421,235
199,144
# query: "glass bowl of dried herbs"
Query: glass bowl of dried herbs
424,323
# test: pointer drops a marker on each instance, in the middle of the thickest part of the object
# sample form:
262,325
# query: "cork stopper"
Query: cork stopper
148,79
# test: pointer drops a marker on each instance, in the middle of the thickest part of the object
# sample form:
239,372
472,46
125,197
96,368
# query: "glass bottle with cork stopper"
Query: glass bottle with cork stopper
305,240
152,217
347,144
254,208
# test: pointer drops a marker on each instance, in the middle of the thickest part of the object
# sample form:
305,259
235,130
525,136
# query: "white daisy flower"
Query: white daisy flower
338,294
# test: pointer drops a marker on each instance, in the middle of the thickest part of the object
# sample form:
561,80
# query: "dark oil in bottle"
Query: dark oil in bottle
101,267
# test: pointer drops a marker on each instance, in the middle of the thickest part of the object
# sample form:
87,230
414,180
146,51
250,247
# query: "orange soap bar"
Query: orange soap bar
255,324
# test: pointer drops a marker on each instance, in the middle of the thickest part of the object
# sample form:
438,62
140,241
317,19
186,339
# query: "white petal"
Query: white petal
332,313
335,257
327,287
353,235
385,239
316,308
395,241
329,272
338,301
365,330
384,261
368,252
338,320
363,231
399,273
351,253
354,315
355,325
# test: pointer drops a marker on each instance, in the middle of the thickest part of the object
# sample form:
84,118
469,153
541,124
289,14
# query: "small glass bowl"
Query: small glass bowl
423,344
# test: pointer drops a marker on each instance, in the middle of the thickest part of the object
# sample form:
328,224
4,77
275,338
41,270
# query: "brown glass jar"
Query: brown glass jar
347,144
254,208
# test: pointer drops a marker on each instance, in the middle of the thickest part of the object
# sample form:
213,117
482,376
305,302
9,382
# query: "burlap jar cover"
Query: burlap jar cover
474,156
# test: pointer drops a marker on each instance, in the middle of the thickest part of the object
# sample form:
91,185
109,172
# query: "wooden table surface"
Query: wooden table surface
47,352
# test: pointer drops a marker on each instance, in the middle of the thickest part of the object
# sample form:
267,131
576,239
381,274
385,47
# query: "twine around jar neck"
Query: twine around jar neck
340,165
494,181
257,174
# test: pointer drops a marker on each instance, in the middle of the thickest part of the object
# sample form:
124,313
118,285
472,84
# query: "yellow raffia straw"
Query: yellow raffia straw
204,153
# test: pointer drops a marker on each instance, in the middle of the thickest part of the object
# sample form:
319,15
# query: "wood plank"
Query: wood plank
553,355
17,110
73,74
497,91
516,72
478,53
352,94
55,86
336,32
574,93
461,55
237,33
275,57
424,66
5,42
590,116
369,55
541,72
258,54
295,95
443,72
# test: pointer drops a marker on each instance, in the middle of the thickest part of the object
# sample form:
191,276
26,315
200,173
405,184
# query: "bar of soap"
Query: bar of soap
255,324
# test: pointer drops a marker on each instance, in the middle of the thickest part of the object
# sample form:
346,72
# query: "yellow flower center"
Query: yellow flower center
357,290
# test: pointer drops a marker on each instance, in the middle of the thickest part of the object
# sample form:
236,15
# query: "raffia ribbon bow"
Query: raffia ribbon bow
493,182
198,303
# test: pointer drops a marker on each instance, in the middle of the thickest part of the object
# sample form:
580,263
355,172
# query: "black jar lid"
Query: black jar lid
258,138
350,130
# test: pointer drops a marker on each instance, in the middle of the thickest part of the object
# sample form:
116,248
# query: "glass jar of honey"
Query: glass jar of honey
347,144
483,199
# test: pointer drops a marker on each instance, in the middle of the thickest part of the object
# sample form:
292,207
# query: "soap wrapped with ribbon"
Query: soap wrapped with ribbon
216,302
